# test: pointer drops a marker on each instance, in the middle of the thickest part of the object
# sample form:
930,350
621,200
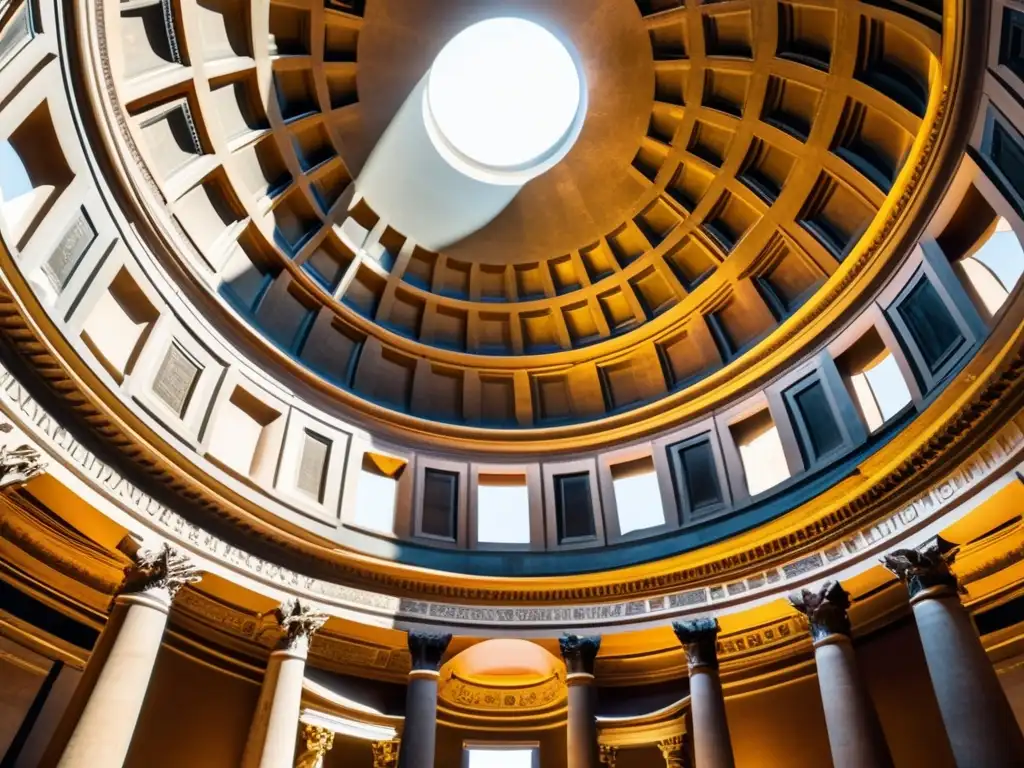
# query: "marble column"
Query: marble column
854,732
385,753
579,654
979,722
608,754
674,750
712,746
420,731
317,742
271,742
100,719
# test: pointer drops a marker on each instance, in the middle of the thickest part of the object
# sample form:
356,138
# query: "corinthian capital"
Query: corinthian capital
700,640
166,567
607,755
826,610
318,742
19,465
579,652
673,749
299,621
926,567
385,753
427,649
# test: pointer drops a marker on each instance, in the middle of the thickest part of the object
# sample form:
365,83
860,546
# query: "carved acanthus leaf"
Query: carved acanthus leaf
427,649
385,753
19,465
318,742
165,567
699,638
299,620
579,652
826,610
926,567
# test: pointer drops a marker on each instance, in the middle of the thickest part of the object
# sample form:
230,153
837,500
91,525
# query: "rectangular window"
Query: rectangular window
119,324
316,452
819,432
440,503
574,506
241,433
1007,155
930,324
994,268
695,475
637,495
874,380
502,509
377,492
510,756
760,447
1011,47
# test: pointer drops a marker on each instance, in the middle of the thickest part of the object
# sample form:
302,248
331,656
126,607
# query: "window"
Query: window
377,492
874,380
502,509
637,495
33,172
440,503
760,447
994,269
818,431
695,476
503,756
575,519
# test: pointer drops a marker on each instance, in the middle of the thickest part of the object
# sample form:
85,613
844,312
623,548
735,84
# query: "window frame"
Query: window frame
610,510
461,471
535,498
550,472
469,745
665,464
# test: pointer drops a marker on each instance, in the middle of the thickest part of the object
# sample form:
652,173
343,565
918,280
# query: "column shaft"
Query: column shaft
979,722
426,649
710,728
100,720
854,732
271,742
581,738
981,727
272,733
420,734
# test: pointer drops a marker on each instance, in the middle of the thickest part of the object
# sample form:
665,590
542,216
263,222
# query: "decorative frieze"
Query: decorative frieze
467,694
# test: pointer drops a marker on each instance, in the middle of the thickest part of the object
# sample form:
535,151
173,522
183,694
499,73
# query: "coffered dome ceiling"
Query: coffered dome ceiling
739,176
